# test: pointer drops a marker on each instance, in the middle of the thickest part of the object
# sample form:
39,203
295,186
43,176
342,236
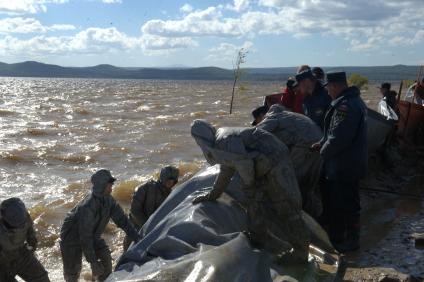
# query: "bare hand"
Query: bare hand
201,198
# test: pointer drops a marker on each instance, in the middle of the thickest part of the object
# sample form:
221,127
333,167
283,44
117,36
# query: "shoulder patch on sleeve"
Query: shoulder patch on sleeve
343,108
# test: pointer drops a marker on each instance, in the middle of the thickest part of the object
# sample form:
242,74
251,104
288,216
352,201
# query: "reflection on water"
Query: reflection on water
56,132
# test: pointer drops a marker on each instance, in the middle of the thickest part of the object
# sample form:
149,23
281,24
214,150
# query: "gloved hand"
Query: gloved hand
31,248
316,147
138,238
97,269
202,198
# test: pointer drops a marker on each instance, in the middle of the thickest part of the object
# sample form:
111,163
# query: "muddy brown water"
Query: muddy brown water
56,132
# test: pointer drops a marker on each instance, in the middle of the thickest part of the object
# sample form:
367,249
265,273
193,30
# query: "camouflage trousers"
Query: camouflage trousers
26,266
72,261
274,212
307,166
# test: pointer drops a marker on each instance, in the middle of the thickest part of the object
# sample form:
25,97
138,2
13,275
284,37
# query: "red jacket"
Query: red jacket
292,101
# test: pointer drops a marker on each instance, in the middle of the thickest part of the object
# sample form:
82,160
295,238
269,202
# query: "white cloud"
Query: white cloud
91,41
208,22
29,25
26,6
239,5
365,24
158,43
112,1
227,52
186,8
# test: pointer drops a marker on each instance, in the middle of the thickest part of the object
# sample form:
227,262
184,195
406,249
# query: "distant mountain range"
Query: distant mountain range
36,69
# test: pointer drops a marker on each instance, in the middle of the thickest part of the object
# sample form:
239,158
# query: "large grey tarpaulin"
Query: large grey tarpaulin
204,242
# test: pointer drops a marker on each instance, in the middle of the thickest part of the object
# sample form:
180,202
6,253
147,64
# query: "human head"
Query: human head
204,135
169,176
385,87
336,83
291,83
318,73
259,114
306,82
303,68
102,182
13,213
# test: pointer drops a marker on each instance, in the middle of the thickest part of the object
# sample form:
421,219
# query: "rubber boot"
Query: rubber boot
351,243
337,229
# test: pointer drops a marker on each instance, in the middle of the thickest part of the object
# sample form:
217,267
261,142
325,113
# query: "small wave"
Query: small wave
143,108
200,114
71,158
123,190
37,131
81,111
6,113
221,113
11,156
103,148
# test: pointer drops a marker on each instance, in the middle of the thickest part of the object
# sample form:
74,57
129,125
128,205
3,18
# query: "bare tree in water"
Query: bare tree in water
241,56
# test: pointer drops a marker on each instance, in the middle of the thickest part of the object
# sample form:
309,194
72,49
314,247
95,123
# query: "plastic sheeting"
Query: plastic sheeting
378,129
204,242
386,110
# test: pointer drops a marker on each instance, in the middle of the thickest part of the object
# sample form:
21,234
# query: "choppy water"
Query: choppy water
56,132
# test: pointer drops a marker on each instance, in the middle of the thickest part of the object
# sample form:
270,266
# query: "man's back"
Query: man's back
146,199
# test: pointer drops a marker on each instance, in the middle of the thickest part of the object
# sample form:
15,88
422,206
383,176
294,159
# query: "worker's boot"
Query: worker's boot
337,229
351,243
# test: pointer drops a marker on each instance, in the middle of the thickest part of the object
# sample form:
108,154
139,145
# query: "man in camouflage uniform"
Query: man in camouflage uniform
148,197
85,223
298,133
18,244
264,165
344,150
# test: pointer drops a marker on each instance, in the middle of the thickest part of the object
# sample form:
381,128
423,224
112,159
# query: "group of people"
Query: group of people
309,157
81,230
306,151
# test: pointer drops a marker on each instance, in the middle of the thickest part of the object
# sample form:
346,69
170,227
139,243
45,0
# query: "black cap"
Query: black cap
290,82
259,111
318,72
386,85
304,75
336,76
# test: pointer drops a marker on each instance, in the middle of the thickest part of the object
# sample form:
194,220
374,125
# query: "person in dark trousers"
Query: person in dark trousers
258,114
263,163
316,100
148,197
18,244
84,225
344,151
388,95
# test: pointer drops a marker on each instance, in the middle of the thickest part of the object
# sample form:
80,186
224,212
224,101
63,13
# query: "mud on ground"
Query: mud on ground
390,222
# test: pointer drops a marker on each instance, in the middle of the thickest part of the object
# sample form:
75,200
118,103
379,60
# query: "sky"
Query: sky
164,33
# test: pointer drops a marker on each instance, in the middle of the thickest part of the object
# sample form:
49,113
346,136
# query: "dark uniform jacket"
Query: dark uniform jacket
390,98
315,106
86,222
13,242
344,145
145,201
